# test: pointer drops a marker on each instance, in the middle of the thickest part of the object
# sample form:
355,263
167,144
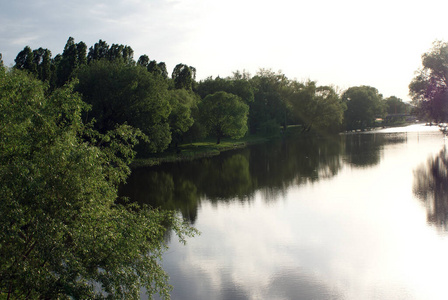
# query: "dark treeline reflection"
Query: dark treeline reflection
364,149
431,186
270,168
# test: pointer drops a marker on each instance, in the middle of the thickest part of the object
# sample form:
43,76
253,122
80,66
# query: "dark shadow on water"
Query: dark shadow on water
431,187
269,169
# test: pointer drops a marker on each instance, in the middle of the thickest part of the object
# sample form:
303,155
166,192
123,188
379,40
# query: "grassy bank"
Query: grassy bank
206,148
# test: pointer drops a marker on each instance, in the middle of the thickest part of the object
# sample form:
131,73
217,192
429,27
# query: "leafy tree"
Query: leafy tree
81,49
143,60
240,87
101,50
163,69
37,62
395,105
1,61
73,56
25,61
62,235
158,69
121,93
180,119
121,52
429,88
270,108
364,104
98,51
224,114
316,106
183,76
43,62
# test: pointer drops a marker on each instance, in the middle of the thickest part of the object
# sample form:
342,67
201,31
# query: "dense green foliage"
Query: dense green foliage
429,88
168,108
121,93
316,106
183,104
364,105
62,235
224,114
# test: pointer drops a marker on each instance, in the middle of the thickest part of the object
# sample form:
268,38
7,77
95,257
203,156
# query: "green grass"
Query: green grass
208,148
204,148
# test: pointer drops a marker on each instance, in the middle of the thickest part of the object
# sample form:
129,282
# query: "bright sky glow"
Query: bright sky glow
343,43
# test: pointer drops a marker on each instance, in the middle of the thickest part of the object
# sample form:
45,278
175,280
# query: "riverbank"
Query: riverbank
196,150
208,148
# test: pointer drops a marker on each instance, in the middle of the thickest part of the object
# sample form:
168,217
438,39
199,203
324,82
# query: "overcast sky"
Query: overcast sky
343,43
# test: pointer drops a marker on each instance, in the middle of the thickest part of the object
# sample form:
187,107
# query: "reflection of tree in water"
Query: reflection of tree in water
160,189
294,161
227,178
364,149
431,186
269,168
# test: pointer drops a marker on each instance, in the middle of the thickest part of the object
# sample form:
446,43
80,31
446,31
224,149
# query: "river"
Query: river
356,216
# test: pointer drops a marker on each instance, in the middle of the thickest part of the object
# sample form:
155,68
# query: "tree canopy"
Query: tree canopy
224,114
364,104
62,234
316,106
121,93
140,93
429,88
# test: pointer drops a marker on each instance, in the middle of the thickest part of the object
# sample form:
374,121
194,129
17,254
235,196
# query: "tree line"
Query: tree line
177,108
70,125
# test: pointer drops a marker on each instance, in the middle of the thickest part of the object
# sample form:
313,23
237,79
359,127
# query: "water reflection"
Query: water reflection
235,176
270,168
431,186
363,149
291,284
163,189
308,218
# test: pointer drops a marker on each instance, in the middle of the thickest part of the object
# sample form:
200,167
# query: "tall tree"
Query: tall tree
25,60
182,102
43,62
158,69
224,114
121,52
98,51
364,104
73,56
37,62
121,93
270,107
429,88
316,106
163,69
183,76
395,105
62,235
143,60
101,50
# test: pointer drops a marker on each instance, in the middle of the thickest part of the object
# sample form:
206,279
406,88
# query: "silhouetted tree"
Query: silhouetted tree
429,88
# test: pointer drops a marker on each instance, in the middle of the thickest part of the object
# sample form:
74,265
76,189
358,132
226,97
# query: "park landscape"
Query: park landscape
106,159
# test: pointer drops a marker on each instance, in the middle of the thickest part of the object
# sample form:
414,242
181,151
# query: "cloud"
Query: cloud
343,43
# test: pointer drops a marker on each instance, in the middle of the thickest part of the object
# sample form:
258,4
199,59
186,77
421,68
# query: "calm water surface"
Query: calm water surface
359,216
